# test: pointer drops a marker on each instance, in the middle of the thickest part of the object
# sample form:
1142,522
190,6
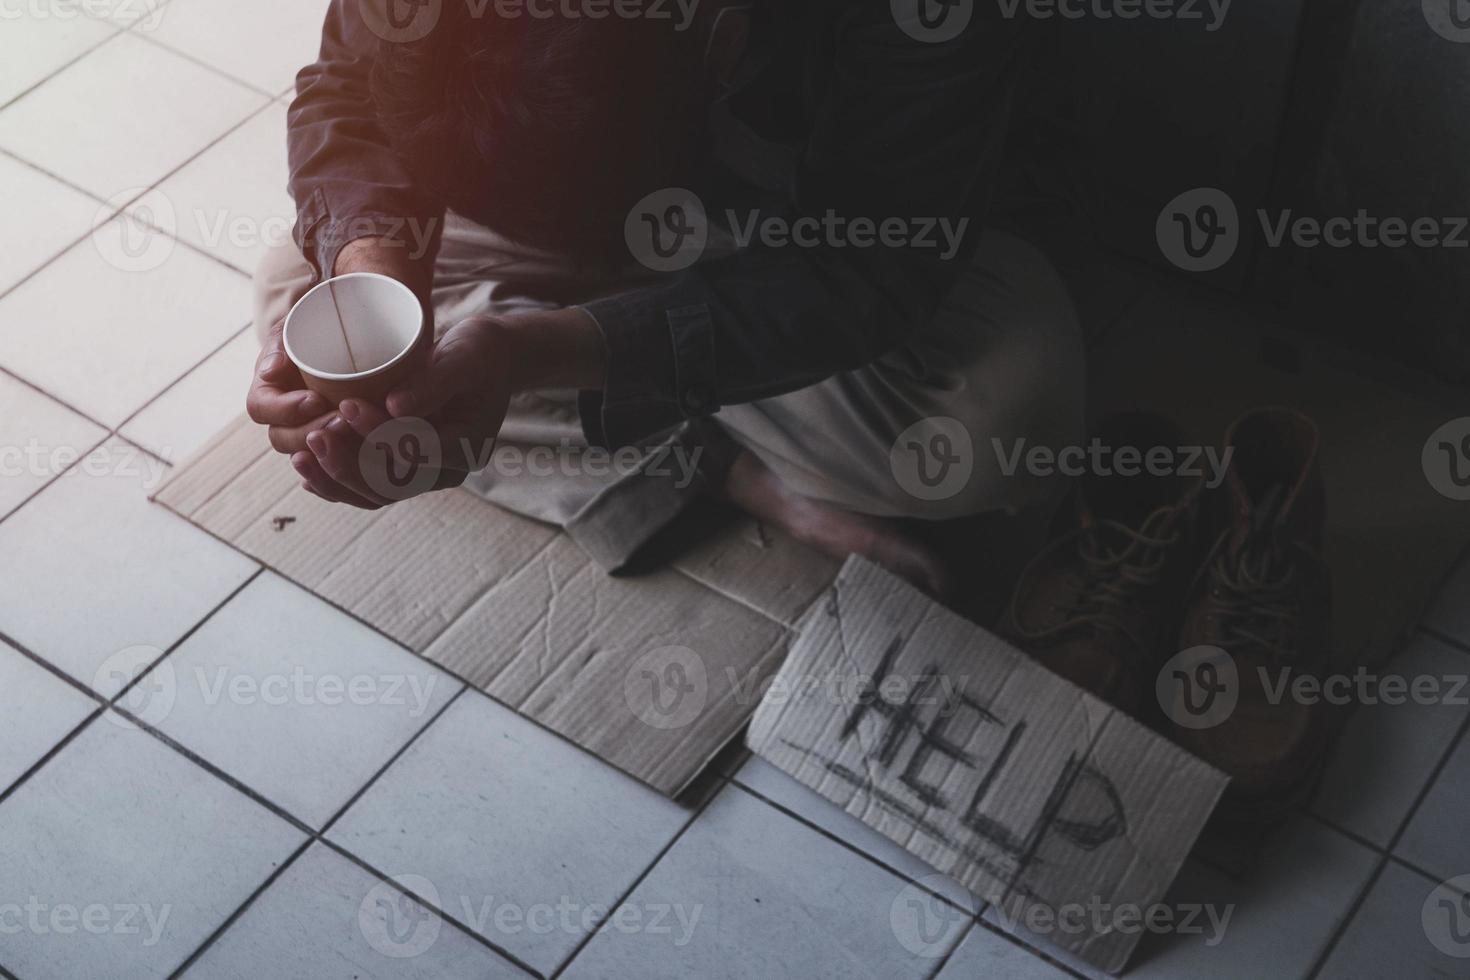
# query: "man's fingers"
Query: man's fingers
338,449
292,438
454,368
316,481
277,394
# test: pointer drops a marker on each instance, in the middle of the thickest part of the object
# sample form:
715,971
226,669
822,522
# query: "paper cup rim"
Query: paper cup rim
355,375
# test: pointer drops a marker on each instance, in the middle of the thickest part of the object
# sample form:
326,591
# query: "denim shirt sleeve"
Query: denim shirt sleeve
345,179
902,128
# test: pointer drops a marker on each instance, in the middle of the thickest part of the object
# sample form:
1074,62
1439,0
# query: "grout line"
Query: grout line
214,69
234,916
1041,954
316,836
714,793
443,915
903,875
413,739
116,698
1386,853
117,32
171,386
66,740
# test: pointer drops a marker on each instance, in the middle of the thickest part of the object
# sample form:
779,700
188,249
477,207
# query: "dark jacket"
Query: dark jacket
834,110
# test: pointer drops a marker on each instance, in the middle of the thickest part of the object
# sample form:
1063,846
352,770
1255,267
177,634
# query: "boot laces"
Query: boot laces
1118,562
1256,601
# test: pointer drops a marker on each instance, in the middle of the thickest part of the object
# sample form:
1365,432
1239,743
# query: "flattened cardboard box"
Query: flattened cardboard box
654,675
1029,791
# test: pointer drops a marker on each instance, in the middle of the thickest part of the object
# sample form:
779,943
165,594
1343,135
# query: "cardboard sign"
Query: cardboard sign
1029,791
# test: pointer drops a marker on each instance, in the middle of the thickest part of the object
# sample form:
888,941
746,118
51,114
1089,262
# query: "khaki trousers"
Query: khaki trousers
923,432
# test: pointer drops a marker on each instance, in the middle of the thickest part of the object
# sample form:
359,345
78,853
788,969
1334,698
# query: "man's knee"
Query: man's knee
281,278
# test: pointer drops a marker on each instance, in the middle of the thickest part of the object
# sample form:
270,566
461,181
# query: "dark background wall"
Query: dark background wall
1322,107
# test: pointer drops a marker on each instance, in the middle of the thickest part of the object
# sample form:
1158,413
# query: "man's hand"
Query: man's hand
461,395
278,397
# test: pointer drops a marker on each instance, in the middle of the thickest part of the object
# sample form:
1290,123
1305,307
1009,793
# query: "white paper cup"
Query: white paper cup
353,336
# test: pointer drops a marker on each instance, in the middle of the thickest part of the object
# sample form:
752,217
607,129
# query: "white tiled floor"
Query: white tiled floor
218,819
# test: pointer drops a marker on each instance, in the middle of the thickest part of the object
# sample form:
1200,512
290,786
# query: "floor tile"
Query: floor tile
203,401
510,825
1407,927
326,917
1450,613
43,217
265,42
1280,919
123,116
37,709
749,892
295,699
231,200
128,856
37,46
92,570
1435,839
107,339
773,784
39,438
1388,752
985,953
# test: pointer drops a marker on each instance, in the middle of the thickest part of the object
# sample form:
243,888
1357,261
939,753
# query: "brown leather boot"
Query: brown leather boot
1100,604
1263,595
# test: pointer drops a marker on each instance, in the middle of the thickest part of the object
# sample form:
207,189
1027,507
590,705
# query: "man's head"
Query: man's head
549,129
